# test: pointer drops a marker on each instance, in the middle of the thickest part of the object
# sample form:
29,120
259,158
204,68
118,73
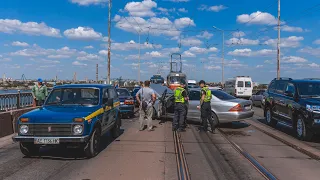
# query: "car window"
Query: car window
122,92
309,88
112,93
105,93
55,96
247,84
272,86
240,84
194,95
280,85
222,95
290,88
84,96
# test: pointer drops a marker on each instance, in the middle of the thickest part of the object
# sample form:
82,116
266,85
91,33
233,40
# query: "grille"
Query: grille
55,129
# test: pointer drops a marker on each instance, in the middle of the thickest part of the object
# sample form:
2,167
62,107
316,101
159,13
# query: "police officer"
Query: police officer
180,97
205,107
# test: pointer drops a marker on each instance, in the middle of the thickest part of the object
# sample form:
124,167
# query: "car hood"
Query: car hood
311,101
58,114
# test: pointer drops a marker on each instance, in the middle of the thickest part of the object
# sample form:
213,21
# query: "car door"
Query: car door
116,103
194,101
279,99
106,114
289,102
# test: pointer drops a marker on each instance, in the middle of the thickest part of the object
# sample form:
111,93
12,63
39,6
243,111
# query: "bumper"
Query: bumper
126,108
234,116
80,139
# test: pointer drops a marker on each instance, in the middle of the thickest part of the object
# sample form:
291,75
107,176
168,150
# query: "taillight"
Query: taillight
129,101
236,108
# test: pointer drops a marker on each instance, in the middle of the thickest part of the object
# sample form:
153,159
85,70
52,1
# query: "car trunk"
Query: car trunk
245,104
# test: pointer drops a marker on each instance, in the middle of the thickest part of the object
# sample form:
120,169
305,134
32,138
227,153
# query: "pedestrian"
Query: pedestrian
180,99
205,107
39,93
148,98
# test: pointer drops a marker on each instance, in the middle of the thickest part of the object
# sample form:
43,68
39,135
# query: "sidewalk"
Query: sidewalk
135,155
7,140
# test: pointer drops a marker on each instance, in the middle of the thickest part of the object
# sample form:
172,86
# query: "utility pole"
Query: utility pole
278,44
109,42
97,73
139,60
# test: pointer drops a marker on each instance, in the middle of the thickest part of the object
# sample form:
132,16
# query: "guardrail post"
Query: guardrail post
18,99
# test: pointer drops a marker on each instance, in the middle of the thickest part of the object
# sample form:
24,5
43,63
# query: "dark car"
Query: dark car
126,102
133,94
76,115
258,98
296,104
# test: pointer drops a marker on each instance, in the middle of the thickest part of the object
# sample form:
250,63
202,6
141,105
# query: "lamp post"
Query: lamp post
222,78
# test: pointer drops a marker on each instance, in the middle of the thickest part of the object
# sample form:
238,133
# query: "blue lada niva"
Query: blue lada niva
72,115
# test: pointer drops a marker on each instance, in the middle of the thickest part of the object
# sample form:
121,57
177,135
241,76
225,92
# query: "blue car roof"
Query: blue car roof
83,85
305,81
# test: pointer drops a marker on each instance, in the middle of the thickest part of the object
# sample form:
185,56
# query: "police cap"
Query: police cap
202,82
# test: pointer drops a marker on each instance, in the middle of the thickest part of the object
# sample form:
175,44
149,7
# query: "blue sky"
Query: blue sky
59,37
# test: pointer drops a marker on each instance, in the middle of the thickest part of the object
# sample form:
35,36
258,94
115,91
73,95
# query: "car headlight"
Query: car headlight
24,129
312,108
77,129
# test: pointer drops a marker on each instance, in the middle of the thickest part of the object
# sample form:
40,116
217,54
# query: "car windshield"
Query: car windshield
71,96
177,80
309,89
222,95
122,92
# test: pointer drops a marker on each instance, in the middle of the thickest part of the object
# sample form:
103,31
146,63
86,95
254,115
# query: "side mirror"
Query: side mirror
288,93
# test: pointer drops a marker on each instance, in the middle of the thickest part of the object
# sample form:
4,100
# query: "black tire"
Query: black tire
269,119
115,131
92,148
301,130
215,119
29,149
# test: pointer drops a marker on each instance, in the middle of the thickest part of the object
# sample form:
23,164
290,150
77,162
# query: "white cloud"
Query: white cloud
77,63
87,57
257,18
103,52
314,65
205,35
141,9
179,0
131,45
89,2
268,62
11,26
316,41
184,22
212,67
18,43
248,52
88,47
292,42
293,59
182,10
198,50
191,41
188,54
238,34
242,41
59,56
154,54
82,33
259,66
290,28
212,8
311,51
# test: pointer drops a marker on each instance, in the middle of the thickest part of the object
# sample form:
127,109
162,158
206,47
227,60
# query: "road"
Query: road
150,155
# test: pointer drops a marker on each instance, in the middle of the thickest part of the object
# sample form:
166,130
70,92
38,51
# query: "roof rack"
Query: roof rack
283,78
312,78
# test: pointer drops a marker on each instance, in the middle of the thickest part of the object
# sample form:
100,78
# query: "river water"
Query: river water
13,91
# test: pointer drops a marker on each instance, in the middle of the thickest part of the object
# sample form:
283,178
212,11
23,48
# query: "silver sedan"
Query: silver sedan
225,107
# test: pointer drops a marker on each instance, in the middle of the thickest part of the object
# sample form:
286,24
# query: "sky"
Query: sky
60,37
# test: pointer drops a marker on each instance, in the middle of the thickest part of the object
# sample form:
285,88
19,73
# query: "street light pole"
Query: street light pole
139,60
278,44
109,43
222,64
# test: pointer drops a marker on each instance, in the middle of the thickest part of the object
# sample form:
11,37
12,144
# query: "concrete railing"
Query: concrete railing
9,119
11,101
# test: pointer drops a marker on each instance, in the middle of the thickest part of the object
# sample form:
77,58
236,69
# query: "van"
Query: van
240,87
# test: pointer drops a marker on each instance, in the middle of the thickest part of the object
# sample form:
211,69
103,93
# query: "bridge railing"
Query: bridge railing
10,101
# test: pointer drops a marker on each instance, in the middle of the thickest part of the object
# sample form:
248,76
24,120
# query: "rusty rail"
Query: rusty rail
11,101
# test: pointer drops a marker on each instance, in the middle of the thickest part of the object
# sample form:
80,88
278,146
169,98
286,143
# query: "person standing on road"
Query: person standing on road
180,99
205,107
39,93
148,98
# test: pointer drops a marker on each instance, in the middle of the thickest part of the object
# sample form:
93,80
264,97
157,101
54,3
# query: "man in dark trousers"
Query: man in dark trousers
180,98
205,107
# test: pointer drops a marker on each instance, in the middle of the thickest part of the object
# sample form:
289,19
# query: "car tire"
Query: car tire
269,119
301,130
29,149
115,131
215,119
93,146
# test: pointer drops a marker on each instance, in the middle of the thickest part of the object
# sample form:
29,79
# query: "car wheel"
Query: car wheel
93,146
270,120
215,119
29,149
302,132
115,131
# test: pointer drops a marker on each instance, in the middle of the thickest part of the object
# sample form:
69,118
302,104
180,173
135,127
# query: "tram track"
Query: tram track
182,166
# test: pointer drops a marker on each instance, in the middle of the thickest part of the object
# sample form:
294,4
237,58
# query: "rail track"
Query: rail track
182,166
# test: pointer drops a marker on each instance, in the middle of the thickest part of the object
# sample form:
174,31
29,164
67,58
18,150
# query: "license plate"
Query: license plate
240,92
247,108
46,140
121,102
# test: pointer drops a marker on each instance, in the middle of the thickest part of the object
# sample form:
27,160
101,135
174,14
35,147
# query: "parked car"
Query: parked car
295,104
225,108
76,115
258,98
126,102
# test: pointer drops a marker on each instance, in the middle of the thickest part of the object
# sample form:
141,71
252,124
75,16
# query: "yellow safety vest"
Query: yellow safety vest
178,98
208,96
